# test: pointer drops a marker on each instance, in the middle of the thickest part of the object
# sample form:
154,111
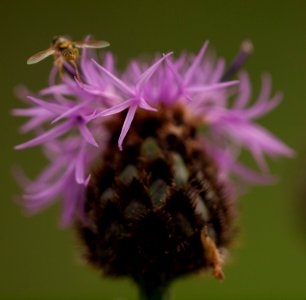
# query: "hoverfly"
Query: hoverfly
63,49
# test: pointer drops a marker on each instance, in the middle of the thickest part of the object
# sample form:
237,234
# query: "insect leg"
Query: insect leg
59,63
76,70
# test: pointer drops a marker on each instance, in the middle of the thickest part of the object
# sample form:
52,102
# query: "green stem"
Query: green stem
152,290
160,293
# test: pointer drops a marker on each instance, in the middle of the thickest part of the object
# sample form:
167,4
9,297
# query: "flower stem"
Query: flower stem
149,291
155,294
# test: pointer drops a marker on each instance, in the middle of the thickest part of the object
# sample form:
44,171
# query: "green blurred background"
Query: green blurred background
39,261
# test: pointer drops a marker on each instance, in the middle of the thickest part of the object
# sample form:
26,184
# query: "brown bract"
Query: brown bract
156,210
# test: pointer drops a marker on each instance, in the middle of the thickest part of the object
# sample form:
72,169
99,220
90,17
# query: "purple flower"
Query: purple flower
69,119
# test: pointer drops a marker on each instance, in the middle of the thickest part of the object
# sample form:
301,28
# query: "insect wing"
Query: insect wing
91,44
40,56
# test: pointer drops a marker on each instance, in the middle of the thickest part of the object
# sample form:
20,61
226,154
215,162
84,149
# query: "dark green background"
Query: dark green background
39,261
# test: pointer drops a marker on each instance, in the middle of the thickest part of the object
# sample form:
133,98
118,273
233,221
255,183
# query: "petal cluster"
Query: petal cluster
67,119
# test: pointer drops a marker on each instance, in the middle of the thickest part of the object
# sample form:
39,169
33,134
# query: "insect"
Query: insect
63,49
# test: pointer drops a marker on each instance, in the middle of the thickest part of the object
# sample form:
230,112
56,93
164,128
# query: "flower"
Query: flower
180,125
192,80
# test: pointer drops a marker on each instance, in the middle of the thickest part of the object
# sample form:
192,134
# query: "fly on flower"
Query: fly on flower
63,50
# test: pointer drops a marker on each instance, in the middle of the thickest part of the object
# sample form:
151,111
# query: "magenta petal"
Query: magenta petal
34,123
175,73
46,194
218,72
70,112
115,80
52,76
127,124
265,92
195,64
188,98
88,88
259,157
21,178
144,105
115,109
87,135
273,145
211,87
269,142
70,202
252,134
52,107
85,64
109,62
62,89
47,136
251,176
28,112
245,91
262,108
144,77
87,180
97,92
79,166
48,173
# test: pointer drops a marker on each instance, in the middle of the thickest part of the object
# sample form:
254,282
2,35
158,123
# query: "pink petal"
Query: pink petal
115,80
46,194
49,172
210,87
127,124
52,107
175,73
52,76
87,135
144,105
218,72
266,84
34,123
71,111
109,62
244,91
62,89
195,64
48,135
115,109
144,77
259,157
251,176
70,203
29,112
79,166
262,108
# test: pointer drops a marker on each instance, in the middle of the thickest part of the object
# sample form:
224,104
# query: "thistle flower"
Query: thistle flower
145,162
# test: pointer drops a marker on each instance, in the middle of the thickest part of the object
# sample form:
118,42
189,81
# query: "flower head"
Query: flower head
192,80
179,124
